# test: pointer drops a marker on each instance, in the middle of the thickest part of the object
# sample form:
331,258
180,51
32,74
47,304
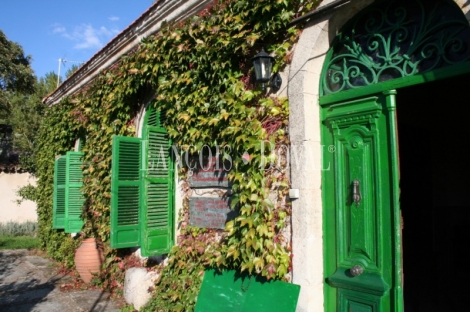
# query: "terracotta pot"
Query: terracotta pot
88,259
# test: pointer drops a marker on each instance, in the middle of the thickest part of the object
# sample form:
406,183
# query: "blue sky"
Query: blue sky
73,30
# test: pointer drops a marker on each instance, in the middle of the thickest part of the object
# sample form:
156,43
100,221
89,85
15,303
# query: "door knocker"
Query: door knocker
356,192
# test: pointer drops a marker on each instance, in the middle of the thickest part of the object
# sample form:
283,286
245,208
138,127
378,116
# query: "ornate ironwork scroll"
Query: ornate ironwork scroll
394,39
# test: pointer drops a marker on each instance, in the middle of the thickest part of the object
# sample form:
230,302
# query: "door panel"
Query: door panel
360,205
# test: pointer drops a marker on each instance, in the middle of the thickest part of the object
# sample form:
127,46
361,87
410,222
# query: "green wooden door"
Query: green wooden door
361,209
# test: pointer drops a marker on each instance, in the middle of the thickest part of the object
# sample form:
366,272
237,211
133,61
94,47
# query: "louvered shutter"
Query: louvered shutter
58,211
73,196
125,191
81,142
154,117
158,221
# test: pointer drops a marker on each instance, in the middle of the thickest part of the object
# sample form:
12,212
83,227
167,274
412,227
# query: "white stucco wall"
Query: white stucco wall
9,209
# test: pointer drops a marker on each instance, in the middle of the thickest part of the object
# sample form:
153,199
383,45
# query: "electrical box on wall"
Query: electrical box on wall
294,193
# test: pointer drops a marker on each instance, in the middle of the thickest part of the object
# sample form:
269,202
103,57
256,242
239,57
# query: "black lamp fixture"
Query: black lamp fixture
263,63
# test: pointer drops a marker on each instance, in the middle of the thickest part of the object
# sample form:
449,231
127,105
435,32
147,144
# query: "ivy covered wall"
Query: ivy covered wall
198,72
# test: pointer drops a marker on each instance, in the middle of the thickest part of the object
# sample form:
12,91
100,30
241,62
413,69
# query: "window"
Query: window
142,197
68,200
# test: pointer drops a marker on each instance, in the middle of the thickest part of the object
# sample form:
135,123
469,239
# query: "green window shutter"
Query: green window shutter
158,220
125,191
73,196
81,142
154,117
58,211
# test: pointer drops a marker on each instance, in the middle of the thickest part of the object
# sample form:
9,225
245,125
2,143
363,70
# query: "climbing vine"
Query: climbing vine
199,73
57,135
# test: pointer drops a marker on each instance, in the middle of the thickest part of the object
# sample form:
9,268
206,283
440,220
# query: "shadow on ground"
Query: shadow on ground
28,283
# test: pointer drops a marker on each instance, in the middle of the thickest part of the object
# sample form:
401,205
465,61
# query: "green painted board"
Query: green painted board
235,292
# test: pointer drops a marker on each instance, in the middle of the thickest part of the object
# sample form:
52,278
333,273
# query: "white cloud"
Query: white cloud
86,36
105,31
113,18
58,29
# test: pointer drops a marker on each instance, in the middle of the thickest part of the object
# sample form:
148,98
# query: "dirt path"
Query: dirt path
29,283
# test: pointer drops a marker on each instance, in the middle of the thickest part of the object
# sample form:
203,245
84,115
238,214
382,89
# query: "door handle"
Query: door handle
356,192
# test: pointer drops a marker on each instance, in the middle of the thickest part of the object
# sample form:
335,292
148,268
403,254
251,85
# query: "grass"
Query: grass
18,242
15,235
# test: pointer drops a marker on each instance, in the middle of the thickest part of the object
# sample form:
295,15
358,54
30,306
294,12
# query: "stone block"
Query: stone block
136,286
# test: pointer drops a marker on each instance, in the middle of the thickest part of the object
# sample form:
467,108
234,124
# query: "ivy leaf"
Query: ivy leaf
229,227
275,111
258,263
246,220
185,117
247,266
224,114
213,121
233,252
262,229
133,71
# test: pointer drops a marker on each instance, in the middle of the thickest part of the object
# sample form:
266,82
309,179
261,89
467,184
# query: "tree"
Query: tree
16,74
25,117
71,70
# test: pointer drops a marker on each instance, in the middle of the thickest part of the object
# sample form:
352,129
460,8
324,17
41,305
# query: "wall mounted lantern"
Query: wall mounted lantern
263,63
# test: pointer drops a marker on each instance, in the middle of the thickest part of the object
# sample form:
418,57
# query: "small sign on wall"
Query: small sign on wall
209,172
210,212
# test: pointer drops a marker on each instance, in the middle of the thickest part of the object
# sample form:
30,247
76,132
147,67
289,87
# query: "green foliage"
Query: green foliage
16,235
199,73
18,242
27,192
112,279
127,308
25,117
180,280
25,114
13,228
71,70
57,135
20,107
16,74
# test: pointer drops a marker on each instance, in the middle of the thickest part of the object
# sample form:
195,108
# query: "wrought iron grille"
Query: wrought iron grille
394,39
